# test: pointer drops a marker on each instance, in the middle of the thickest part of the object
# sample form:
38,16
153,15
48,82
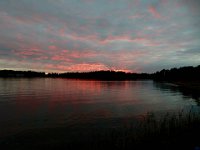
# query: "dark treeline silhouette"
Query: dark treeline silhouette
12,73
188,73
98,75
102,75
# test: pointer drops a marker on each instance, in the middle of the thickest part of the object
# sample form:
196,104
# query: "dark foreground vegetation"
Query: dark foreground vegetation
171,131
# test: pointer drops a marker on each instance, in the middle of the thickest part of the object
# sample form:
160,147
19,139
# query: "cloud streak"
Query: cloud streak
154,12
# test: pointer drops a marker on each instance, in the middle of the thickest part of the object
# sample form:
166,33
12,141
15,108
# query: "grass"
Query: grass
171,131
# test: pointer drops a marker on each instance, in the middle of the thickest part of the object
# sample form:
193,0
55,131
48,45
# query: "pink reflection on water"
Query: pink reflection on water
62,102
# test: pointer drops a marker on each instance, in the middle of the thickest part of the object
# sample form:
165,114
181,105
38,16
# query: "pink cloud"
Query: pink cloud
83,38
126,38
68,56
28,52
71,61
32,54
41,58
84,67
110,38
60,58
94,38
152,10
88,67
53,47
84,54
122,38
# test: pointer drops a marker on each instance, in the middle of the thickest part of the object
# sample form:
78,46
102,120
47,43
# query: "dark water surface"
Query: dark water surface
46,102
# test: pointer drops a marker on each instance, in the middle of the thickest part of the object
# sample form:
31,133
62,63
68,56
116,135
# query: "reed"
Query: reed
170,131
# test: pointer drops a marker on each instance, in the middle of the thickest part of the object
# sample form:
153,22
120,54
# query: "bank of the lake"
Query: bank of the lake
192,86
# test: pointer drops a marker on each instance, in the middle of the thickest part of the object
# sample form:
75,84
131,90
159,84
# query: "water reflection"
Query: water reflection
43,102
186,93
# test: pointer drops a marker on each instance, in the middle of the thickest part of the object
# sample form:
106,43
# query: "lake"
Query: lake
47,102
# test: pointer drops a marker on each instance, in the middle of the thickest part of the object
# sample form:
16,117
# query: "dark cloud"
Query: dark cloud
193,51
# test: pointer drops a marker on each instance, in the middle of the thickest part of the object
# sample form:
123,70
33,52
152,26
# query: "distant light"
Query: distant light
46,73
122,70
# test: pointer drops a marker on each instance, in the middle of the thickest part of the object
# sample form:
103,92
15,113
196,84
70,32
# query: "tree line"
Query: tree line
174,74
188,73
102,75
12,73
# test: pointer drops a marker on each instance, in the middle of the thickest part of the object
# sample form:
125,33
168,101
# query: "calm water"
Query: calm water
45,102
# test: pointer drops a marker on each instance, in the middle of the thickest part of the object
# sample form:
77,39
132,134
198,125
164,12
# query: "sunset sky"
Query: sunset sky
87,35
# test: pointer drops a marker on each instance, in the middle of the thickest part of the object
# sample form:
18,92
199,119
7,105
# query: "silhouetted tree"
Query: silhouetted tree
184,73
12,73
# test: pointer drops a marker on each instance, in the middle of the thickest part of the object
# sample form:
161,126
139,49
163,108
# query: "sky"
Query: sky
92,35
